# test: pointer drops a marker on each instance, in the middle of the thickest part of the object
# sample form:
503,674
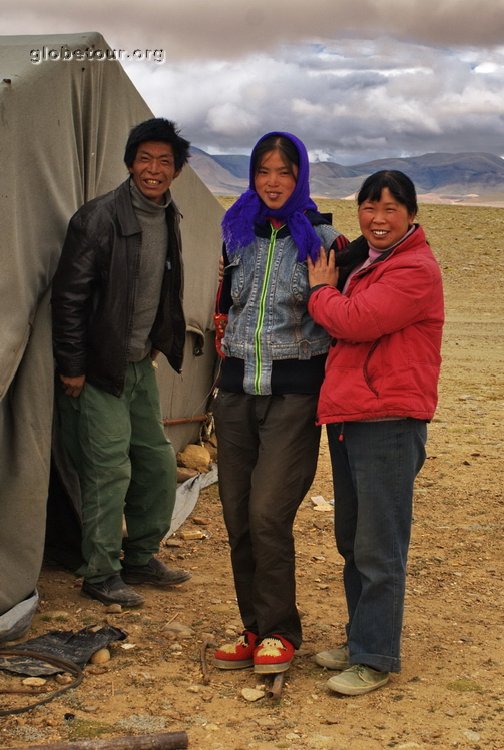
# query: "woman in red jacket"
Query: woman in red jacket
379,392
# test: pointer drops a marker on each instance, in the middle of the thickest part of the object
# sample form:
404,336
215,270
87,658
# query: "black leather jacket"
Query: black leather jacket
94,291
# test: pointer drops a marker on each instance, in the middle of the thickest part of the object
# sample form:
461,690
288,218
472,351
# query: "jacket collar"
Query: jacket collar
126,215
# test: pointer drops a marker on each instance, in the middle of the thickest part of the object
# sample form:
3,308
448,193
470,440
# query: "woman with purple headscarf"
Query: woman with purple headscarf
272,367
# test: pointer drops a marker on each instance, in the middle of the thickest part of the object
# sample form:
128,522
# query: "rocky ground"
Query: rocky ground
450,693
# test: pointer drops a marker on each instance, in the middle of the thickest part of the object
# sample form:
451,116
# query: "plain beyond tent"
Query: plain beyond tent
64,122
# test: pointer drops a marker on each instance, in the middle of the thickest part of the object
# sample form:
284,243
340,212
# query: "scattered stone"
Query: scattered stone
34,681
252,694
63,679
193,534
182,631
102,656
195,457
194,689
472,736
98,669
113,609
232,629
171,542
321,504
200,521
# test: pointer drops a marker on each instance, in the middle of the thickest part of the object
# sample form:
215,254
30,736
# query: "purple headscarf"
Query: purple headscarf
239,220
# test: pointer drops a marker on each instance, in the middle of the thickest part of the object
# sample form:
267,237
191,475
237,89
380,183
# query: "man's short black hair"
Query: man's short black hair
157,129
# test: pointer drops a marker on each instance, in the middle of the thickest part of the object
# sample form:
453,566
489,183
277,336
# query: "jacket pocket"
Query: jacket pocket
299,283
369,379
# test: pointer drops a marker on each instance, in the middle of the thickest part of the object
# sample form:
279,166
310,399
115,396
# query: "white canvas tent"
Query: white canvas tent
63,127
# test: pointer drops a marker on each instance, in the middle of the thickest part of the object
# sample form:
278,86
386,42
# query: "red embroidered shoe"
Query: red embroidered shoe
274,654
237,655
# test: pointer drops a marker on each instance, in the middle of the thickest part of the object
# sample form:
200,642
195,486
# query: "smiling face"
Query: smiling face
275,179
153,169
384,222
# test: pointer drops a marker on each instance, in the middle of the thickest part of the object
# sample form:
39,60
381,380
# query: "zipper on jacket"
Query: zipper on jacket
262,309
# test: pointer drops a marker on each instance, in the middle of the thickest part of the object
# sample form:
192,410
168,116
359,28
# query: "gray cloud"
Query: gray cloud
199,29
357,81
352,101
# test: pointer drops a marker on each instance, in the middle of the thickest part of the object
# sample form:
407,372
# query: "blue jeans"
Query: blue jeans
374,468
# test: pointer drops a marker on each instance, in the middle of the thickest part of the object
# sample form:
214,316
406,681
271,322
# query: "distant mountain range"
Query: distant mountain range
439,177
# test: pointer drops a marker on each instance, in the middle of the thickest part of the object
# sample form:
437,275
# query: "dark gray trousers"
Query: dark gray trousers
267,458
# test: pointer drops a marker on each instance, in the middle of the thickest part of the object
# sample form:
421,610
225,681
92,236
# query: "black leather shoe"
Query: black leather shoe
112,590
154,573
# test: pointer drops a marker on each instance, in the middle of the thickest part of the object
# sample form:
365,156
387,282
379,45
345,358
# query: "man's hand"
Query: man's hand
324,269
73,386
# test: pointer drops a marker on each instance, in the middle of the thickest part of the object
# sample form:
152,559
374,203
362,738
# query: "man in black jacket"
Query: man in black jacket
117,303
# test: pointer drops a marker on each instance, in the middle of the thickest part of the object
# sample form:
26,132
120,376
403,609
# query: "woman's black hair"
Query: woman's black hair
276,143
399,184
157,129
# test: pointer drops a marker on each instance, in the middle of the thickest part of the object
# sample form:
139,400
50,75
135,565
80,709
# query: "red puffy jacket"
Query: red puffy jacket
386,354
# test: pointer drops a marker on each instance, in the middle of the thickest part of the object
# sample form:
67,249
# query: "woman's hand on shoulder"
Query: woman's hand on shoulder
323,270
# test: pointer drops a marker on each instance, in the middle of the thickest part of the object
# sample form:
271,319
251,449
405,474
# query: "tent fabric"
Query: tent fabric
63,127
187,497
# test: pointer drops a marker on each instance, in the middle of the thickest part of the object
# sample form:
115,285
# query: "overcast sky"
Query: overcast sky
355,79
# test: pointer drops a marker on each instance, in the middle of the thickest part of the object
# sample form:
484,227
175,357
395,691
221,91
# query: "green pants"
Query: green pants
125,465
